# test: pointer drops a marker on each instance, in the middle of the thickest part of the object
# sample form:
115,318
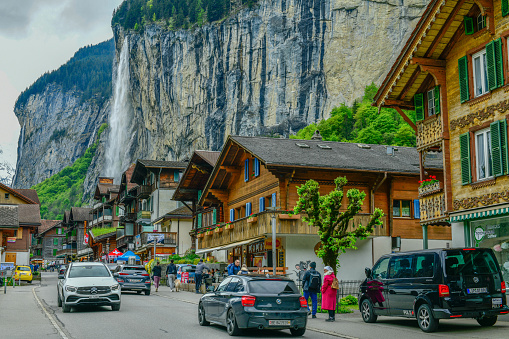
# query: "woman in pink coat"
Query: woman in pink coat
329,293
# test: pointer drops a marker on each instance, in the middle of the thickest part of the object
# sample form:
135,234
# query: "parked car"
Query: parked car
435,284
112,267
255,301
87,283
23,273
185,268
62,269
133,278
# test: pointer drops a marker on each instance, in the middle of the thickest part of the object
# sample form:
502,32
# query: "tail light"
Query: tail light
503,287
120,280
443,291
123,274
248,300
303,302
146,275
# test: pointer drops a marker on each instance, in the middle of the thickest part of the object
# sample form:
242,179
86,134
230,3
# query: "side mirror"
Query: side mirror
368,272
61,276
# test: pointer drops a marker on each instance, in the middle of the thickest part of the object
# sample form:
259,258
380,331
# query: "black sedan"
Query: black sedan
133,278
255,301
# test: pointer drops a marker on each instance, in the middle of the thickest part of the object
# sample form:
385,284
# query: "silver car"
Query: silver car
87,283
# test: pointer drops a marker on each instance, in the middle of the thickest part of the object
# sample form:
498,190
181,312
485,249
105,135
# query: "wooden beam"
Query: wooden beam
399,103
444,28
428,62
406,118
222,195
230,169
452,42
409,84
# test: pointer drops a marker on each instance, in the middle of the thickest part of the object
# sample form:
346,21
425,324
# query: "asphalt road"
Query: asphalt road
174,315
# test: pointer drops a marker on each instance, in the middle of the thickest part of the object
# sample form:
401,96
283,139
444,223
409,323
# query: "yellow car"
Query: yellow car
23,273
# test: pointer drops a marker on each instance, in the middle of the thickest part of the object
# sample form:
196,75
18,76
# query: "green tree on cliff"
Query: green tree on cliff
323,212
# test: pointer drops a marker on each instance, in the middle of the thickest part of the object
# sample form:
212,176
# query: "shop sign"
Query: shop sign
479,233
268,243
257,247
11,239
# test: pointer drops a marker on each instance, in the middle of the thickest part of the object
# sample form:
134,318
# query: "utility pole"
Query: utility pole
273,211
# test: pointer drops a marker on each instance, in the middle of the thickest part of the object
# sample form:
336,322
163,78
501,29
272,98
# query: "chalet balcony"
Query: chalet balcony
143,215
144,191
128,217
433,208
429,132
124,240
254,227
126,197
97,205
165,239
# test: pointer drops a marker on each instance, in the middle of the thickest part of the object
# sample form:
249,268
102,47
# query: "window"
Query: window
176,176
480,73
381,268
256,167
223,285
54,252
55,241
483,154
401,208
6,195
424,265
431,102
273,200
481,22
401,267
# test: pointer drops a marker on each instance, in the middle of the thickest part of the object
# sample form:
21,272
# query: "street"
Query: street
174,315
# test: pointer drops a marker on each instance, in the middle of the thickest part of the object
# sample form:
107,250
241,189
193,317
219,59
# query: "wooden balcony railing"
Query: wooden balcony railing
429,132
433,208
143,215
144,191
244,230
124,240
125,196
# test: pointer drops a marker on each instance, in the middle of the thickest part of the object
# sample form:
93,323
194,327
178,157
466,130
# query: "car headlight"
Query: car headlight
70,289
115,287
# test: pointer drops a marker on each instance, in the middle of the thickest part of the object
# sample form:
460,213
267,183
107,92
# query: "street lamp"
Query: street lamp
273,212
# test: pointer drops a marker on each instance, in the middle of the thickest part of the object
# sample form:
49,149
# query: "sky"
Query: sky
38,36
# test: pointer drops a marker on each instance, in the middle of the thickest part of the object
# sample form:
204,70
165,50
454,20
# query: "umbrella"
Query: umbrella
126,255
115,253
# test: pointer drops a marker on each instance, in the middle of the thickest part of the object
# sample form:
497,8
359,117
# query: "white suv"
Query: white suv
87,283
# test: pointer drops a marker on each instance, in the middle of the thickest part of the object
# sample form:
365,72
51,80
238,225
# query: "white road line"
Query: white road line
338,335
50,316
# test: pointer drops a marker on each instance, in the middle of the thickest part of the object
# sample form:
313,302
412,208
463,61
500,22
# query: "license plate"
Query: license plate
279,323
477,290
134,280
94,297
496,302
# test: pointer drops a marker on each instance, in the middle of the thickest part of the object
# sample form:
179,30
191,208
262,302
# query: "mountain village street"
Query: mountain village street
174,315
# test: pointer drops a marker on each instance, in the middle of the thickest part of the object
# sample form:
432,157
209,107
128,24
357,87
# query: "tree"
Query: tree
324,213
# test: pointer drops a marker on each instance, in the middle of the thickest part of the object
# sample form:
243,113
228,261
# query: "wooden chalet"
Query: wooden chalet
127,200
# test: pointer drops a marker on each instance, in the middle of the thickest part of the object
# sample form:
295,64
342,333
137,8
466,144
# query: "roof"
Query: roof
334,155
29,214
19,195
80,213
182,212
29,193
142,167
46,225
67,217
209,156
126,178
9,216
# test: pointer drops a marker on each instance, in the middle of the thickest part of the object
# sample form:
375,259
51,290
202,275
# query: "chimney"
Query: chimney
316,136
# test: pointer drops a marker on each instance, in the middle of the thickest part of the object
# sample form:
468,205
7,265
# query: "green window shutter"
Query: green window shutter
199,194
465,158
437,99
496,153
503,144
505,7
199,220
419,106
55,241
469,25
463,75
214,216
116,210
499,62
54,252
491,65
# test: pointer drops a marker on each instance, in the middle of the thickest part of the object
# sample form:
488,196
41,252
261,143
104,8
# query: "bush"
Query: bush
348,300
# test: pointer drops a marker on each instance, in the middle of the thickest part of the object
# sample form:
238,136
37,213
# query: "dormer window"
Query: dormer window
481,22
480,73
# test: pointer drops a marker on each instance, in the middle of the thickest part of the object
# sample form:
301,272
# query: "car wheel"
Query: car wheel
231,324
487,321
426,320
30,281
367,312
115,307
201,316
298,332
66,308
147,292
59,301
138,292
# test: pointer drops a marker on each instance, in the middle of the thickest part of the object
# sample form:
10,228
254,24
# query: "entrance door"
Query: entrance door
10,257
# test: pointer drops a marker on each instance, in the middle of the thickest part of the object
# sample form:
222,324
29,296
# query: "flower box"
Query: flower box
289,216
218,230
430,189
252,220
200,235
229,226
209,233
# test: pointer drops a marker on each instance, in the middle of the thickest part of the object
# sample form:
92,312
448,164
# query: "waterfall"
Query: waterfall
120,119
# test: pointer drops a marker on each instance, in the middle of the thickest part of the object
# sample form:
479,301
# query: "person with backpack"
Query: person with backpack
312,282
234,268
171,275
329,290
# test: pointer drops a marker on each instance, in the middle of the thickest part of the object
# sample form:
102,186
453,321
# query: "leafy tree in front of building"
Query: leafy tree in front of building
324,212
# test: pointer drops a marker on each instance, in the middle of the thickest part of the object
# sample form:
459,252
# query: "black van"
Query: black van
435,284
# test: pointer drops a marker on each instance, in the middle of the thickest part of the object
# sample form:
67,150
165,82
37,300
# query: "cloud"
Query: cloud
79,15
15,17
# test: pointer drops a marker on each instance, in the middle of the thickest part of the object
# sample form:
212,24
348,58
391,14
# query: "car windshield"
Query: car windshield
133,268
88,271
188,269
470,262
23,268
272,286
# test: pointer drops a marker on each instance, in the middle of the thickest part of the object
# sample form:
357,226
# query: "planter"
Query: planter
200,235
209,233
252,220
218,230
229,227
289,216
430,189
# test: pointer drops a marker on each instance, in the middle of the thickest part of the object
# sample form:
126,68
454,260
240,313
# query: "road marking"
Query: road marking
50,317
334,334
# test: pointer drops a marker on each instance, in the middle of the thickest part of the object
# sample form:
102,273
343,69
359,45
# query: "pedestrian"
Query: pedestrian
198,275
243,270
329,292
312,282
156,275
234,268
171,274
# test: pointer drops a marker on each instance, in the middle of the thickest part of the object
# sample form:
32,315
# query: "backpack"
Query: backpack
335,284
314,280
230,269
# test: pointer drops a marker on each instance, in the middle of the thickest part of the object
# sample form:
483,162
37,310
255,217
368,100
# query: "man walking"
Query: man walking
156,274
234,268
198,275
312,282
171,274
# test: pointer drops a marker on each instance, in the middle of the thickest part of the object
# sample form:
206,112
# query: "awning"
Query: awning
480,214
225,247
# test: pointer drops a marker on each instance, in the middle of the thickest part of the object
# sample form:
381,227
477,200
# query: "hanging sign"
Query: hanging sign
268,243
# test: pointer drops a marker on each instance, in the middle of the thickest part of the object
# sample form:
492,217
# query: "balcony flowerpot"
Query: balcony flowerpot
429,189
252,220
209,233
200,235
218,230
289,216
229,227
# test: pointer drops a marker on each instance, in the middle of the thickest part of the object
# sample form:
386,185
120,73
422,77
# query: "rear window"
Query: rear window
188,269
272,286
133,268
470,262
89,271
23,268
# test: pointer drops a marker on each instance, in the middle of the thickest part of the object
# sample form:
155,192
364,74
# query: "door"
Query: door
223,297
10,257
400,285
377,286
211,302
